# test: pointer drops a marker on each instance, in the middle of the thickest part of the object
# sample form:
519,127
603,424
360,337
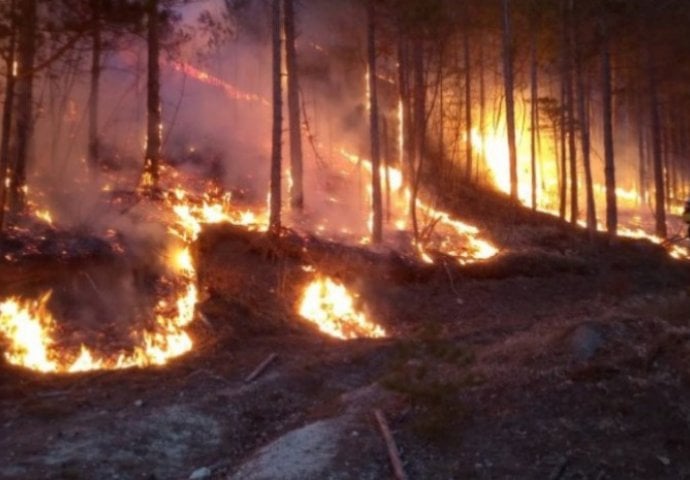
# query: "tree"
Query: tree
607,112
10,81
509,84
297,188
154,125
376,203
26,53
276,139
582,94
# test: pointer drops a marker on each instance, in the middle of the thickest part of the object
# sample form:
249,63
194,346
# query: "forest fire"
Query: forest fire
331,308
442,233
31,331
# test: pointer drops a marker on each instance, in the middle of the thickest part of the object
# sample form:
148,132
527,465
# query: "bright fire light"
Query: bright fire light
328,305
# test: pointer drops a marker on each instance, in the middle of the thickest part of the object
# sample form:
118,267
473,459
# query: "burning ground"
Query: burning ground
557,358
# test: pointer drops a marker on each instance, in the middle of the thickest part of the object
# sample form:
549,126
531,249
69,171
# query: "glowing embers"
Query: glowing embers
330,306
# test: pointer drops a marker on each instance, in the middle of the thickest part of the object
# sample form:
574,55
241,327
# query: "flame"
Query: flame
328,304
28,325
494,150
29,328
44,215
462,240
192,215
205,77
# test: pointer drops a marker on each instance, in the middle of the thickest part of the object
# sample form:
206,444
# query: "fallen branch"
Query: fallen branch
262,366
393,453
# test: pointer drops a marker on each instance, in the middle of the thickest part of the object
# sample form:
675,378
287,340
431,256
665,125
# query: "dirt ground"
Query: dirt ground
562,358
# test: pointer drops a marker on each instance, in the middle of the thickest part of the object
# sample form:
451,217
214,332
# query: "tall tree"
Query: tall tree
26,54
509,84
534,95
94,94
296,168
7,111
583,114
468,94
153,102
276,139
570,110
376,202
657,159
607,112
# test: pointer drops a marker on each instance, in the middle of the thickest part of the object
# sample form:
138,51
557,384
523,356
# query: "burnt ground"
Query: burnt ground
563,358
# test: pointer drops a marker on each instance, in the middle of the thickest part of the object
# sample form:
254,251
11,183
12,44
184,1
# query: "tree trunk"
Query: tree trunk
641,155
660,204
24,107
153,102
482,100
96,48
534,112
584,129
377,210
574,208
275,185
386,165
607,110
468,102
406,129
296,169
5,173
419,130
563,136
510,101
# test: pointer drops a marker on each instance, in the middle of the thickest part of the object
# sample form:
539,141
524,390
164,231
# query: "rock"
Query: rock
664,460
585,342
200,474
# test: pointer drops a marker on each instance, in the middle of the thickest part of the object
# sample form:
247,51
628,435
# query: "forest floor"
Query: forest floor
530,370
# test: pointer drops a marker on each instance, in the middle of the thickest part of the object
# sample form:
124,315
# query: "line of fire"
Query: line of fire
307,239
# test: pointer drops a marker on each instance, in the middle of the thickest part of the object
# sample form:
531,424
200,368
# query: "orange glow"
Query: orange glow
328,305
44,215
458,239
204,77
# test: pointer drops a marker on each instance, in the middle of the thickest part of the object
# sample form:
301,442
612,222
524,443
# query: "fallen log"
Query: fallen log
393,453
260,368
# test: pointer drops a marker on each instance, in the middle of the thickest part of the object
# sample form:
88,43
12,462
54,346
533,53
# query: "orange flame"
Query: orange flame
328,305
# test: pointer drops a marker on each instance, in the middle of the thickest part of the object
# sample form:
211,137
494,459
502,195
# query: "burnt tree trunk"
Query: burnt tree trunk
94,94
660,203
24,107
408,147
276,139
296,168
419,130
510,100
641,154
468,102
376,205
584,129
607,110
534,111
570,96
563,193
5,173
153,101
482,101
